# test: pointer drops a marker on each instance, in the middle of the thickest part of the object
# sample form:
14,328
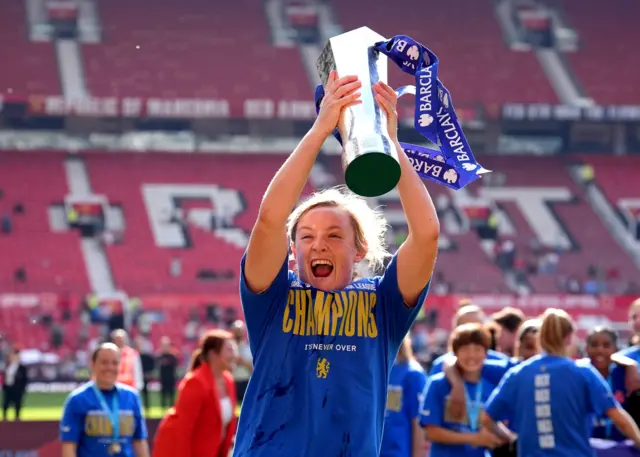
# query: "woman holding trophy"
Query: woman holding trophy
323,339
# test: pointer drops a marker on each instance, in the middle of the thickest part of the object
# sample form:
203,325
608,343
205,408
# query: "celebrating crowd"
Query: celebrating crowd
333,373
512,386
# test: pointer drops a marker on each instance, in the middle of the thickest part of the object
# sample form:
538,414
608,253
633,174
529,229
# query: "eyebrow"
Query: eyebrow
333,227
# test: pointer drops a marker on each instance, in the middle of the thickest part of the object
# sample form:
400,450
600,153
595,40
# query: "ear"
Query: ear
362,254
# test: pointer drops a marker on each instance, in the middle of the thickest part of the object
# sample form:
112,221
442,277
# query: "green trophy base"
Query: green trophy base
372,174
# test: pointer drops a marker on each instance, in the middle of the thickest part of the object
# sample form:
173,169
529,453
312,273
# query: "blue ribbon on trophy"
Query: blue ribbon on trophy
435,118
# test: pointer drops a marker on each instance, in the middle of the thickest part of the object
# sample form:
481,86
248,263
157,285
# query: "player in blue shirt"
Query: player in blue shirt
620,372
102,418
527,341
402,435
451,437
466,314
323,342
549,396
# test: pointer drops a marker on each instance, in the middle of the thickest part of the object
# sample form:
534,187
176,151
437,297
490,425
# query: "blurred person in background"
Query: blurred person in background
103,417
130,372
509,320
148,362
203,421
633,351
244,364
550,397
620,373
168,367
527,340
403,436
466,314
450,436
14,384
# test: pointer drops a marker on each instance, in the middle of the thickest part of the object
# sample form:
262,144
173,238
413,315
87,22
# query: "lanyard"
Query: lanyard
113,412
473,408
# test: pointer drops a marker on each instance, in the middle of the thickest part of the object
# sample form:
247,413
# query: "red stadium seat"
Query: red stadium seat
191,49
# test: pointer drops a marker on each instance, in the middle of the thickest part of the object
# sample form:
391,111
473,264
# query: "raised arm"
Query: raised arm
417,255
268,244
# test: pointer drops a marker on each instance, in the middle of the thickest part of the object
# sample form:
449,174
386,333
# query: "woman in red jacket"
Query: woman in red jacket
203,421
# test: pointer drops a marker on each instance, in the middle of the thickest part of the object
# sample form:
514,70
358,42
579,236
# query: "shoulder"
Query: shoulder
583,364
416,368
585,368
78,396
438,381
126,391
440,359
495,355
195,378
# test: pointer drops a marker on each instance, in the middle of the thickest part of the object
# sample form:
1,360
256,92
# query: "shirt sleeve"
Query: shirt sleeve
260,308
432,408
499,404
140,427
398,315
494,370
415,383
72,423
600,394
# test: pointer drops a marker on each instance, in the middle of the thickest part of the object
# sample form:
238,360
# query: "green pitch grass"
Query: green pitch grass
40,406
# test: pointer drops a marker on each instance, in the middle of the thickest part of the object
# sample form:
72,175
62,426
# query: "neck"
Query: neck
104,385
604,371
471,376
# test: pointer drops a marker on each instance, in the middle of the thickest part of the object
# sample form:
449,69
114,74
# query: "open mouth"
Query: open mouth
321,268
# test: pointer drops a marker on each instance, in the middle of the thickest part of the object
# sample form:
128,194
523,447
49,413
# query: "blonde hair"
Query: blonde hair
556,326
369,225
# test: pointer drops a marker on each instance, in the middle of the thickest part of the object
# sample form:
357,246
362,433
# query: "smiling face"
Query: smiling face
600,347
227,357
325,248
105,366
471,357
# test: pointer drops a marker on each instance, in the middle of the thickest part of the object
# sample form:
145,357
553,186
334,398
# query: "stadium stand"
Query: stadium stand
52,261
167,49
602,64
32,68
138,264
475,64
593,245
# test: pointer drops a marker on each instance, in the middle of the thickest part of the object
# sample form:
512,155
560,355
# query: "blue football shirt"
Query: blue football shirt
406,385
436,366
549,399
321,365
434,411
603,428
85,423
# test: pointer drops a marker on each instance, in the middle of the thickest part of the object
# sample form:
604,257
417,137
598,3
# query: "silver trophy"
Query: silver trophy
369,158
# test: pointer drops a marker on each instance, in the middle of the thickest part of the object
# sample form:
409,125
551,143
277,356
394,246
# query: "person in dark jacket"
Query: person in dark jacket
14,384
